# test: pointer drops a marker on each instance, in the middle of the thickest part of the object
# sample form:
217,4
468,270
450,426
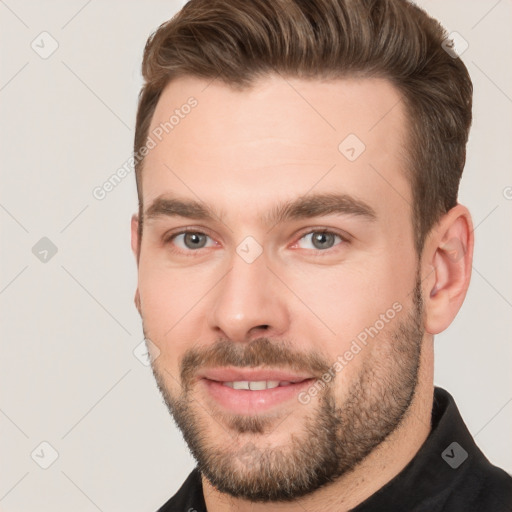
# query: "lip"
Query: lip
241,401
252,374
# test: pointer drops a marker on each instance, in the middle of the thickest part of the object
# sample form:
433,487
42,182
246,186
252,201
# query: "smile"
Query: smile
257,385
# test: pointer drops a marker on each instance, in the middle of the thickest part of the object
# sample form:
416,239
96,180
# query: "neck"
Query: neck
372,473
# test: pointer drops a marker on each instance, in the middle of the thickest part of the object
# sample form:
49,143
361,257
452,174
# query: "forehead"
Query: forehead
281,137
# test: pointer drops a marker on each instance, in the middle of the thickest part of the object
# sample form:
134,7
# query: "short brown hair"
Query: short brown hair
238,41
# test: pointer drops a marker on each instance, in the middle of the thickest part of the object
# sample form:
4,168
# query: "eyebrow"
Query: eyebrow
304,207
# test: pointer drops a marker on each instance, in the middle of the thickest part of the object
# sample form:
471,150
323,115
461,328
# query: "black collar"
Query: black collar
449,474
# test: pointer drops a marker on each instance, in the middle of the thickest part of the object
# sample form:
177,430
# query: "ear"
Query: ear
135,237
135,242
447,262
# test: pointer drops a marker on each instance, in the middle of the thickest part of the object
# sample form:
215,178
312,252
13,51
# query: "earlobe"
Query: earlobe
137,301
449,256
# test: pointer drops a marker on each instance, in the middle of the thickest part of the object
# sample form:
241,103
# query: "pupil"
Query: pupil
321,238
194,238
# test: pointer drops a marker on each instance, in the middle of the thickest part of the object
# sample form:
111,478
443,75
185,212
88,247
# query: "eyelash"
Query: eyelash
344,240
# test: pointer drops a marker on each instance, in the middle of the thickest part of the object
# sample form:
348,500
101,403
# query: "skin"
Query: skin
279,141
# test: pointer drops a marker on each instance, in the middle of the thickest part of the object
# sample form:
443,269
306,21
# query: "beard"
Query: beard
333,438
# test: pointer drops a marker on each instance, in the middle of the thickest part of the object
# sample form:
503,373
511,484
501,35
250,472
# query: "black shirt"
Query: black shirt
448,474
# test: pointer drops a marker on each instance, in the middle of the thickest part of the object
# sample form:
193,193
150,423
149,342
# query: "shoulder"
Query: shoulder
482,487
189,497
494,491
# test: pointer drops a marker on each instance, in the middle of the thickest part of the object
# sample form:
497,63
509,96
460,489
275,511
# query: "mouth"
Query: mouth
250,391
253,375
258,385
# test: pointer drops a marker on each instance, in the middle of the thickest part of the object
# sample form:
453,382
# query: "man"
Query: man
299,244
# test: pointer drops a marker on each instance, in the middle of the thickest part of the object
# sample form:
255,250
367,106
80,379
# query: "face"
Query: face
278,281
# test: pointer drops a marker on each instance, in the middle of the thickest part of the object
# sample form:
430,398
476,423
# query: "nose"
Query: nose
249,302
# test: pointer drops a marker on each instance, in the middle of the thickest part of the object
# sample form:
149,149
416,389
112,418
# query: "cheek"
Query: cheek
361,309
167,293
348,298
158,300
344,301
170,304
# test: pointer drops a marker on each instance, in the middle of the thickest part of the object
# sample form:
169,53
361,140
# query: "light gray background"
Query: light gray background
69,327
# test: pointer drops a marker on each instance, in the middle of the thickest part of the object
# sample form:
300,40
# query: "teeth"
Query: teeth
241,384
255,385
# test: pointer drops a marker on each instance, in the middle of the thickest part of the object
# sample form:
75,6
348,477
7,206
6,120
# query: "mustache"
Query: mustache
258,352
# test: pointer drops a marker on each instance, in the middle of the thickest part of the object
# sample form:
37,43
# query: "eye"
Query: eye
320,240
189,240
